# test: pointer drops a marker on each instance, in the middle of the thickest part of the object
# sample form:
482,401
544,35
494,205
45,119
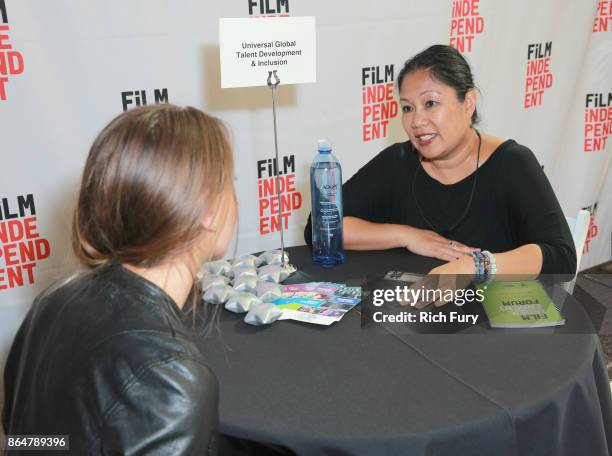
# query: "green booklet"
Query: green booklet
522,304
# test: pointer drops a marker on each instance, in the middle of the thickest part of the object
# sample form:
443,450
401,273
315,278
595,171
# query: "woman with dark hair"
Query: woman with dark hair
451,192
107,357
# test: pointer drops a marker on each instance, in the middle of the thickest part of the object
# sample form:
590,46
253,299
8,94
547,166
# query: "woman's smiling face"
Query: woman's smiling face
436,121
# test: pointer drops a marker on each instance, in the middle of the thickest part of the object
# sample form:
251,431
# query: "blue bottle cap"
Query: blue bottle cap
324,146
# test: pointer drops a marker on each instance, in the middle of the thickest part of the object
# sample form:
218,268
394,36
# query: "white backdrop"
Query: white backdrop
67,68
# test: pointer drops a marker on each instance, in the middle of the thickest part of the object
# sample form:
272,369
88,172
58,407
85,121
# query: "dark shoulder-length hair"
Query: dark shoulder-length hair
446,65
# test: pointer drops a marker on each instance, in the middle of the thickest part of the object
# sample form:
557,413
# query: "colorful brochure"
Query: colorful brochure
322,303
522,304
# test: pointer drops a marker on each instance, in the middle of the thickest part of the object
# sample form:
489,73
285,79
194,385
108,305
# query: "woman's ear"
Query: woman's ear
209,224
471,98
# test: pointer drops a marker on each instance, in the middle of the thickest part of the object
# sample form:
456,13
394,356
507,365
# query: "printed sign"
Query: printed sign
21,245
251,48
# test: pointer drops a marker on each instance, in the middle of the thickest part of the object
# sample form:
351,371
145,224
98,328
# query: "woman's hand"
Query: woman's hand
463,266
447,278
431,244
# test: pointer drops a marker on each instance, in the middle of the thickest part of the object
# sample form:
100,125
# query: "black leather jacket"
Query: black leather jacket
107,360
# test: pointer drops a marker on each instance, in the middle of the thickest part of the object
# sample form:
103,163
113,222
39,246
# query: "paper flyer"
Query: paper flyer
321,303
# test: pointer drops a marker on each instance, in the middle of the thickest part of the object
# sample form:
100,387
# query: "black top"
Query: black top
108,360
513,203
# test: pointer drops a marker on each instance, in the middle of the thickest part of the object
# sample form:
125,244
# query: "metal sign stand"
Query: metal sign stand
273,82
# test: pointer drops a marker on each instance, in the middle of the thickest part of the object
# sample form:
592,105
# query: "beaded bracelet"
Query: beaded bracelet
492,270
479,264
486,268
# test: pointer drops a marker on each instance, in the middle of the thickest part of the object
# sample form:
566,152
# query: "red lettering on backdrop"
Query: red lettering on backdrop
466,23
538,77
378,101
603,17
11,62
591,234
272,213
20,249
4,37
597,121
379,106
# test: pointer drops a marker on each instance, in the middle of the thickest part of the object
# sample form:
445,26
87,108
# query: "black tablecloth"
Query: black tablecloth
344,390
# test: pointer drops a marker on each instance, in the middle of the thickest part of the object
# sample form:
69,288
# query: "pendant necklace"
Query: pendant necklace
469,204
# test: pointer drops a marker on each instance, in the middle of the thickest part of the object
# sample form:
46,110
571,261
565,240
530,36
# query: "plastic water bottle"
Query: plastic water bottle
326,194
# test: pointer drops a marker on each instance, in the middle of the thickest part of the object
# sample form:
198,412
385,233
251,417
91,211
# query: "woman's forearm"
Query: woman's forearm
524,261
360,234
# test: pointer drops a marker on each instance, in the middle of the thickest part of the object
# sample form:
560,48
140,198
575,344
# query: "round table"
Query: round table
348,390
